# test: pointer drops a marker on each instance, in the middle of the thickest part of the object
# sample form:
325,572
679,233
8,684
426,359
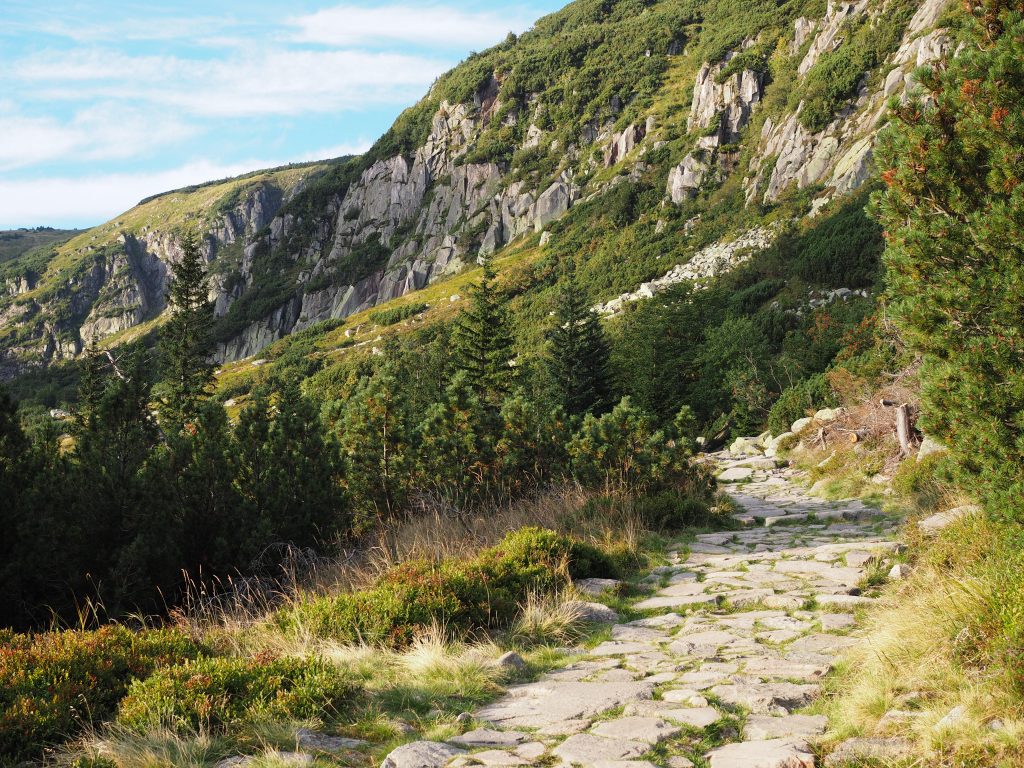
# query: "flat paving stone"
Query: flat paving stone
543,703
774,753
586,748
764,727
650,730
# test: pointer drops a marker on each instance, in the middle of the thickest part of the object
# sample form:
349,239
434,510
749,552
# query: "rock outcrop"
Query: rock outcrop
722,107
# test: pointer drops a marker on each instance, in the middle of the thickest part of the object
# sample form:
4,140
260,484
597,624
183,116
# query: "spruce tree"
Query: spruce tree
578,355
953,211
186,338
483,343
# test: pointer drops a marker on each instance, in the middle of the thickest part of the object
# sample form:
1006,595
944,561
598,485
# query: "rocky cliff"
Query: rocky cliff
475,168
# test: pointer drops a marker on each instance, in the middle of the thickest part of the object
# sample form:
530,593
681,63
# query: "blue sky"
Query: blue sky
102,104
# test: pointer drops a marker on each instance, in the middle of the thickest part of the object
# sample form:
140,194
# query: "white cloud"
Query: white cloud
101,132
424,25
70,201
249,83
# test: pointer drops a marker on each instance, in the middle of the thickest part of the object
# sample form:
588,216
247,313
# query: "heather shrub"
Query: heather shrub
54,684
212,693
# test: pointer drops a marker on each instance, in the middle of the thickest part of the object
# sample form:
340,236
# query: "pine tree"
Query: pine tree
186,338
376,442
578,355
483,343
289,473
953,211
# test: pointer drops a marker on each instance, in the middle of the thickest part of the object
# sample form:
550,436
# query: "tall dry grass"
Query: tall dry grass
225,608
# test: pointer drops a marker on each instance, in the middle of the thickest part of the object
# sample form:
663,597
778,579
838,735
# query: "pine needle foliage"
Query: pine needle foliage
578,355
953,212
483,341
186,338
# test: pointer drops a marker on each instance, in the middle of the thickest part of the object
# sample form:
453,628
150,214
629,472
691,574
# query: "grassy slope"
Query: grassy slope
15,242
941,648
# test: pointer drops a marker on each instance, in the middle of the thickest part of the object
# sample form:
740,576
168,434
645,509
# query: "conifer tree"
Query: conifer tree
186,338
483,343
376,439
578,355
953,211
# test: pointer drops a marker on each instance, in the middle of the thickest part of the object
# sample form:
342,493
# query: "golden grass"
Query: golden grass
931,648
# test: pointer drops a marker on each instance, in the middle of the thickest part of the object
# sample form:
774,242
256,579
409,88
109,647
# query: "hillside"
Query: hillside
685,123
16,242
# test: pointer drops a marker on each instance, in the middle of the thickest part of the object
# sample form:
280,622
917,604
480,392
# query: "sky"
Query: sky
104,103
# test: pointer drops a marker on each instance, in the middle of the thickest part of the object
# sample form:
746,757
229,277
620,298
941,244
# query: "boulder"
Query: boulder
932,524
801,424
745,446
929,446
829,414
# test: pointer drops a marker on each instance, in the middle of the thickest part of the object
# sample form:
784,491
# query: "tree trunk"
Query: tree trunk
903,428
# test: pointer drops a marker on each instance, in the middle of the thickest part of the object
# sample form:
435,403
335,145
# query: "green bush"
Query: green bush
796,401
673,511
396,314
624,451
462,596
215,692
54,684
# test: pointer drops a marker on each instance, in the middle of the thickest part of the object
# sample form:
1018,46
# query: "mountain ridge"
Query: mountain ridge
697,117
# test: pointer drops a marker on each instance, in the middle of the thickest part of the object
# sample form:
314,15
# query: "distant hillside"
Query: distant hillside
15,242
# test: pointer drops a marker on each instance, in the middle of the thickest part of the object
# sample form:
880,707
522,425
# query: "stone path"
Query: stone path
737,636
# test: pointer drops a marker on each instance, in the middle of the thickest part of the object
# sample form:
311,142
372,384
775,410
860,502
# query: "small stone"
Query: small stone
679,762
596,586
316,741
899,571
512,660
595,613
421,754
935,523
463,717
953,718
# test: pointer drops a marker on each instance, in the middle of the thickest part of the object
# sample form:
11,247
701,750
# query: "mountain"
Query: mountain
688,124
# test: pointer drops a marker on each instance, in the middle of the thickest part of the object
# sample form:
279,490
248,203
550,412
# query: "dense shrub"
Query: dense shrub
210,693
396,314
953,167
54,684
798,401
461,596
625,451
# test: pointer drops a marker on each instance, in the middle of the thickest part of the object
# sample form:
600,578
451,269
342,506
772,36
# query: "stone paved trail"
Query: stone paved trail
741,629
